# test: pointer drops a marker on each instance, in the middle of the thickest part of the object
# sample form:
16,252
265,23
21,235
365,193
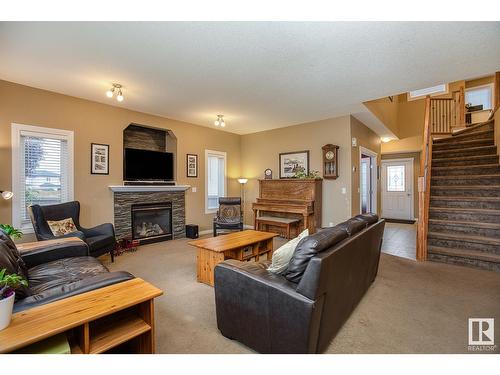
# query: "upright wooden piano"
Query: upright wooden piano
290,198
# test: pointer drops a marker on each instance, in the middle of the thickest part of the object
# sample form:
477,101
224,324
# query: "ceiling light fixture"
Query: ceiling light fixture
220,121
118,88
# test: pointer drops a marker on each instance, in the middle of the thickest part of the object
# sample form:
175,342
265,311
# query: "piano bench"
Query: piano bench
282,222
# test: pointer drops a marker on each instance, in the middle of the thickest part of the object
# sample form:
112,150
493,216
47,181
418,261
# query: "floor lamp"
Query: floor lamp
242,182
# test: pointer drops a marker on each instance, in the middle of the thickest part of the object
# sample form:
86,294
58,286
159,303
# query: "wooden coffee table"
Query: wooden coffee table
243,245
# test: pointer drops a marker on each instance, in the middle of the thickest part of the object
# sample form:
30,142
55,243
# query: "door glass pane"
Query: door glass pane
396,178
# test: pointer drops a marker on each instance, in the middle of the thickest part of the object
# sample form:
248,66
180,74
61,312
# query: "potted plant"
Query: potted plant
8,285
11,231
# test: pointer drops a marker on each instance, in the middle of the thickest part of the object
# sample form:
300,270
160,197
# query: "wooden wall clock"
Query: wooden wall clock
330,161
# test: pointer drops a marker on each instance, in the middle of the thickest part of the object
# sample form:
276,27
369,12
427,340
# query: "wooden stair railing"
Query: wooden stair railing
447,113
424,184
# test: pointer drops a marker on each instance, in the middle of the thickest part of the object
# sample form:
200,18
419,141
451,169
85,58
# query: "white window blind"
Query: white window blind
479,95
215,178
43,170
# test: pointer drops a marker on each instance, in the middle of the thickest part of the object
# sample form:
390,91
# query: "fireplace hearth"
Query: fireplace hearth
151,222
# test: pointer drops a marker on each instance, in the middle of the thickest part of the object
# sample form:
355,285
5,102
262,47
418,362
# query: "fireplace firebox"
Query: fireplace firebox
152,222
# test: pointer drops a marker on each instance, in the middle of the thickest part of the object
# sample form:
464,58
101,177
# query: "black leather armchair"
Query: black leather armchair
100,239
229,215
54,270
302,309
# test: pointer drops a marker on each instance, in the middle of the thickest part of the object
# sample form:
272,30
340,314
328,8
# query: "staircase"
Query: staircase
464,207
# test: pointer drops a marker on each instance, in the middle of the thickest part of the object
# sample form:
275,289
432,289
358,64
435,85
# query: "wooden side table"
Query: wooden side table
95,322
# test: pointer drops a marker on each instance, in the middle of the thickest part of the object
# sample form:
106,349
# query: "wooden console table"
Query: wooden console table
95,322
243,245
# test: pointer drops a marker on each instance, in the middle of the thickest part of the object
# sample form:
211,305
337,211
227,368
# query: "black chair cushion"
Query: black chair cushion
99,242
308,247
62,272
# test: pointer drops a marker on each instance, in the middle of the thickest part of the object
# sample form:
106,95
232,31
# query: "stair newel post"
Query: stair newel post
424,183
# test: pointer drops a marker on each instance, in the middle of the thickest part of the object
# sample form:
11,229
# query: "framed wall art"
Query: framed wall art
293,162
191,165
99,158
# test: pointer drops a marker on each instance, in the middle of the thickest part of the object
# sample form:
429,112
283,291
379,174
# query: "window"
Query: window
42,169
480,95
396,178
422,93
215,179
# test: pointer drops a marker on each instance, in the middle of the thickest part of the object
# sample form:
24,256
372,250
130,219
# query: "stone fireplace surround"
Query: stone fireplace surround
125,196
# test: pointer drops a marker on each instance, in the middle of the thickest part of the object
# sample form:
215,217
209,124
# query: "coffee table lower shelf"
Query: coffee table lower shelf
116,318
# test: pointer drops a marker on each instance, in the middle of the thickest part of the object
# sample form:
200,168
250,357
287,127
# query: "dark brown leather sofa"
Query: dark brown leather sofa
55,271
301,310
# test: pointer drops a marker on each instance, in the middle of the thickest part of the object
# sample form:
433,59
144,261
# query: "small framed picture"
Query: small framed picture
99,158
191,165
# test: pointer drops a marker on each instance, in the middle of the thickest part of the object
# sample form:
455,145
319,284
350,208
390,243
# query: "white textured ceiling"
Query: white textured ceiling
260,75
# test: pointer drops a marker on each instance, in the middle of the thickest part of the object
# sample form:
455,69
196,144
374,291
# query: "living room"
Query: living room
150,204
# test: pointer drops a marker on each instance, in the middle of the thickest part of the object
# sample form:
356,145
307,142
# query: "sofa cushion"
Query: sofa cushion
308,247
353,225
370,218
11,261
282,256
62,272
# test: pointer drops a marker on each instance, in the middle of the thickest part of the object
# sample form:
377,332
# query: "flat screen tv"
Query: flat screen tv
144,165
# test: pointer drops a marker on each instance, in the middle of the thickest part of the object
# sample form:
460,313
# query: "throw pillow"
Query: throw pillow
62,227
282,256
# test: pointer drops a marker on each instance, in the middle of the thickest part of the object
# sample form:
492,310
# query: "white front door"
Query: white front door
397,189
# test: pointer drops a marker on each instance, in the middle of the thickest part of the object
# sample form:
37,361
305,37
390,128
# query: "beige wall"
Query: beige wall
386,111
368,139
479,82
100,123
261,150
416,171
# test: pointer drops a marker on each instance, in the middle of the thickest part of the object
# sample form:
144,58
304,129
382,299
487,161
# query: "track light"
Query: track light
111,92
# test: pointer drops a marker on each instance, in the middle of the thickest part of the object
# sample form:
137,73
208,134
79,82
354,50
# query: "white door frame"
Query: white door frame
374,183
403,160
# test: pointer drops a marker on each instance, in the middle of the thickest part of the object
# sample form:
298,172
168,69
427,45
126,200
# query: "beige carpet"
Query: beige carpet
411,307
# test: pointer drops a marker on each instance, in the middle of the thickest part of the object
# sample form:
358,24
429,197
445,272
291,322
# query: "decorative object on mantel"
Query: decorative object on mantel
191,165
293,162
99,158
268,174
330,162
111,92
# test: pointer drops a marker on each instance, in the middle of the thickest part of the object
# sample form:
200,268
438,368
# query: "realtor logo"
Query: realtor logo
481,331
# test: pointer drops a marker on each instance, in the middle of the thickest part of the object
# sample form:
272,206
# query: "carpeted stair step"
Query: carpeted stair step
465,214
463,144
483,179
469,151
487,125
463,170
465,227
461,137
466,160
467,242
461,257
467,191
489,203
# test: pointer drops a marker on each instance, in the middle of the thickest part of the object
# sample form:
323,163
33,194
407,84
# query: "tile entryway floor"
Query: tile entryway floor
400,240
